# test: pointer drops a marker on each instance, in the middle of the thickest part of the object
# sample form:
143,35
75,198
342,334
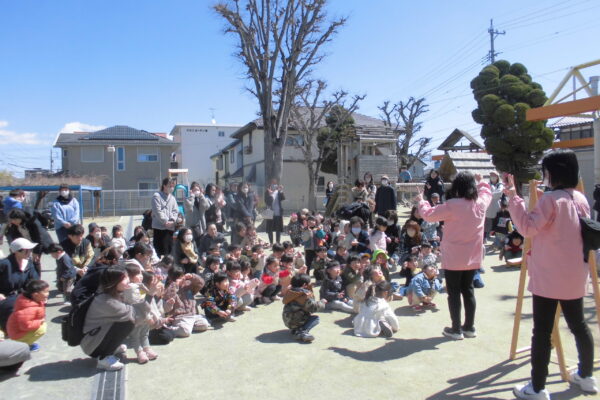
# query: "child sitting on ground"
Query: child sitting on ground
357,240
250,283
500,225
423,288
352,276
513,248
65,272
135,294
409,269
299,304
257,261
286,271
269,286
27,323
333,291
319,264
375,316
118,241
252,239
161,269
294,229
426,256
212,265
179,302
341,254
220,304
237,287
378,240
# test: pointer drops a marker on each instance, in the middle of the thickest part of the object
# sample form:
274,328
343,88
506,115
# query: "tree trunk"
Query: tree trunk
312,195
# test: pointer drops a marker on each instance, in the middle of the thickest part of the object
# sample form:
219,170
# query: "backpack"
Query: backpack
147,220
72,323
347,211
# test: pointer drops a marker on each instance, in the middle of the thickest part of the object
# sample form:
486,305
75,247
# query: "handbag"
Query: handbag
590,233
267,213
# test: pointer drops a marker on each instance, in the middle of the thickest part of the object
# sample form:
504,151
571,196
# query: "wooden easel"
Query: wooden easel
556,340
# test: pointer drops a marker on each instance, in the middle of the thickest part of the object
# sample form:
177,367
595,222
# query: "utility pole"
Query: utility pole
493,33
51,161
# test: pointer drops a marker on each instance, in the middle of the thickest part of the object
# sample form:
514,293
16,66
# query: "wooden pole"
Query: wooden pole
560,354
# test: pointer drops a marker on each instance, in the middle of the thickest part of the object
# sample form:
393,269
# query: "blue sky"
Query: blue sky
71,64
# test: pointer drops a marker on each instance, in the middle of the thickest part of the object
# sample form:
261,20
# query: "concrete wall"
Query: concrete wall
133,173
585,157
378,166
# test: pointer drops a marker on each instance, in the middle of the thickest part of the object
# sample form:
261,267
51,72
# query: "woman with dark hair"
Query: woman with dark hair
393,232
244,204
216,202
195,210
433,184
96,239
557,271
23,224
273,198
329,190
462,245
185,253
65,211
359,193
164,216
370,185
89,283
109,321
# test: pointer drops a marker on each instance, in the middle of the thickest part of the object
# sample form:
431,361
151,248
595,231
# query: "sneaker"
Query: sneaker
150,353
266,300
109,363
386,329
245,309
34,347
67,303
430,305
122,349
527,392
304,337
231,318
586,384
456,335
418,308
142,358
469,333
276,298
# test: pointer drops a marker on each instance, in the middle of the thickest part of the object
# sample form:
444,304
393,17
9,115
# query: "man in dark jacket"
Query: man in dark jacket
385,198
23,224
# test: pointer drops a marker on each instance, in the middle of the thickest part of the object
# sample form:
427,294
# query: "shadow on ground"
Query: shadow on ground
393,349
63,370
280,336
489,383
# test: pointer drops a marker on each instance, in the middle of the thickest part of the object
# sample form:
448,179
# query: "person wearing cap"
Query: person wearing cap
22,224
385,197
65,211
15,271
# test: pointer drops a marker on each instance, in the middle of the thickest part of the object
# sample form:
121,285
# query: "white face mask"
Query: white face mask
188,238
64,193
384,182
356,231
330,186
411,232
97,235
245,190
390,222
196,193
546,181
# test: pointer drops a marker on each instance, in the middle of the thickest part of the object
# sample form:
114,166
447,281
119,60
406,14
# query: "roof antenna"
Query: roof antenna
212,115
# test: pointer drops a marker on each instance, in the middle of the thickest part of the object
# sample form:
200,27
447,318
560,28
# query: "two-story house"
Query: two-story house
137,159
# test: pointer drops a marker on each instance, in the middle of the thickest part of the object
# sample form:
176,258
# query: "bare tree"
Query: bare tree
402,118
279,42
308,116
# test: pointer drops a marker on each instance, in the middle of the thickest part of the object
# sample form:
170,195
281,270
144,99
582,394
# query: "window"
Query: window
65,153
147,188
92,154
294,140
120,158
321,184
220,163
232,156
221,133
147,155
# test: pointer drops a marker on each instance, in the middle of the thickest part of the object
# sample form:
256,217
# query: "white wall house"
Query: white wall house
196,143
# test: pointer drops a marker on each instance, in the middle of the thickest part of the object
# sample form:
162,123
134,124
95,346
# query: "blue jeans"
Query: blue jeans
313,321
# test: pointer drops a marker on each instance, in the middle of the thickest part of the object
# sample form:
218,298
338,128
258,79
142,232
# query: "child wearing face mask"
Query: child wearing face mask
185,254
118,241
412,239
357,240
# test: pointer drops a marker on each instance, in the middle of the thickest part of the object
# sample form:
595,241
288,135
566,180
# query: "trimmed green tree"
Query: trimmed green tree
504,93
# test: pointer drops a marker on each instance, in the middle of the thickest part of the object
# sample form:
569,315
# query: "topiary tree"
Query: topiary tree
504,93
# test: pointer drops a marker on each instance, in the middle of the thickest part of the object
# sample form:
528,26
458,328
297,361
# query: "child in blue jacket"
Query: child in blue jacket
423,288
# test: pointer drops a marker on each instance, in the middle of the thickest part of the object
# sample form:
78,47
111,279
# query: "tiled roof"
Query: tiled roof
569,121
114,134
455,137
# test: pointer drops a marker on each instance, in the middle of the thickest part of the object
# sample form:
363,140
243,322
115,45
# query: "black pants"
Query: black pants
544,310
114,338
309,257
460,283
271,290
163,241
274,225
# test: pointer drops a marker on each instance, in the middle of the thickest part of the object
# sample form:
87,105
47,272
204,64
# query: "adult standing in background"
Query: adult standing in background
195,209
385,198
273,198
329,193
433,184
244,204
405,176
164,216
65,211
497,192
369,185
15,199
23,224
218,204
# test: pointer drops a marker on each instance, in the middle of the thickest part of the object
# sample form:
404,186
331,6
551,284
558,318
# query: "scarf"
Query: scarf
188,250
64,200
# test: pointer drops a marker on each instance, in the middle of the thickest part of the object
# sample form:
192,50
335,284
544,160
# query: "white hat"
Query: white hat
20,244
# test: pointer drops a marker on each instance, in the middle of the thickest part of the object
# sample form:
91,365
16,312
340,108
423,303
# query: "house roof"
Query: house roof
455,137
472,162
360,121
118,134
228,147
569,121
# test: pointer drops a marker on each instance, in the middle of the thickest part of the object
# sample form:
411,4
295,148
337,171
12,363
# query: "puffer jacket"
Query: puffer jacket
27,316
299,304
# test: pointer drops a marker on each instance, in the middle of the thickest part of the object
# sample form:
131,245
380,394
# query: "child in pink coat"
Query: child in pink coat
462,245
557,272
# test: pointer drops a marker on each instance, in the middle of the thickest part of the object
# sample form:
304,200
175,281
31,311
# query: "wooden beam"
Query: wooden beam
563,109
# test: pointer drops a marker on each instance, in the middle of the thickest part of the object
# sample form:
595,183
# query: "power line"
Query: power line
493,34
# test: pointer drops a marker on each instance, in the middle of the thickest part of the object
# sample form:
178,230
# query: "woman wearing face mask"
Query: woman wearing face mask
328,193
385,198
97,240
65,211
273,198
185,252
217,205
22,224
497,188
195,209
244,205
357,240
462,245
433,184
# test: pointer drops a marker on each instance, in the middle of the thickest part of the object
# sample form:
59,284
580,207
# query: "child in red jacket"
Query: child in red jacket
27,323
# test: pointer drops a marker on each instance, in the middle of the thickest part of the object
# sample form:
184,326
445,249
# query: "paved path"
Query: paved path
255,357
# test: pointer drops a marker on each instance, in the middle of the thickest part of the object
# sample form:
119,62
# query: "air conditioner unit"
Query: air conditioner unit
247,149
